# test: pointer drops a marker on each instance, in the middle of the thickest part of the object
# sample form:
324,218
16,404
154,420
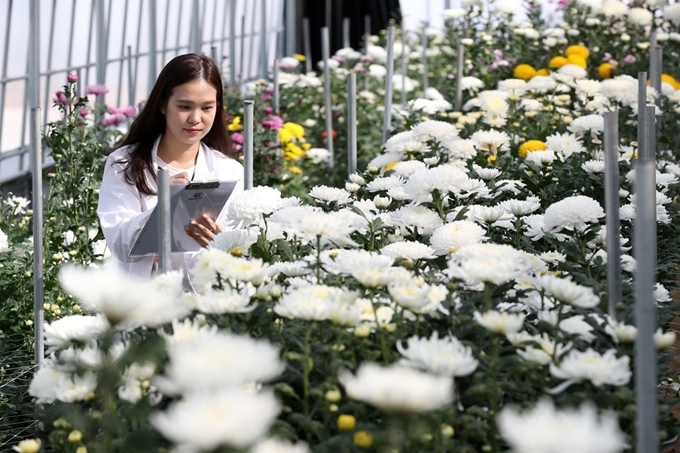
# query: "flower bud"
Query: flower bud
346,422
72,78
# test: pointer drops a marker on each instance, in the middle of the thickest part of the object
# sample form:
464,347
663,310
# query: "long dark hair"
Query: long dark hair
150,123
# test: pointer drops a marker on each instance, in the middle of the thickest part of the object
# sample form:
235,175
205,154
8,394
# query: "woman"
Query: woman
182,130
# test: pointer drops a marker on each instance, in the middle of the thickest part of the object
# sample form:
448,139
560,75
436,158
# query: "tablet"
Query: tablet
187,202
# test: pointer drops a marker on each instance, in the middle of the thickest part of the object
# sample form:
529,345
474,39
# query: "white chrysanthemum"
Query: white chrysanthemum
289,269
409,250
444,178
573,71
412,147
4,243
572,213
408,167
460,149
491,141
500,322
486,174
186,330
593,166
229,417
621,89
450,237
384,184
236,242
50,384
444,357
620,332
541,84
587,123
664,340
577,325
330,194
566,291
519,208
541,158
354,260
308,224
547,429
125,301
471,83
221,301
385,159
397,389
250,206
279,446
553,257
212,362
661,294
513,86
600,369
640,16
214,263
438,130
417,296
312,302
491,263
564,144
416,217
83,329
672,13
486,214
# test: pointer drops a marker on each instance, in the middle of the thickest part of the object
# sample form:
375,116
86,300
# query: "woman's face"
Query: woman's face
190,112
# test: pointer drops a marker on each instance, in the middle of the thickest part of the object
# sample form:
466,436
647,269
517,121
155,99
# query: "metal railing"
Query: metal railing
121,44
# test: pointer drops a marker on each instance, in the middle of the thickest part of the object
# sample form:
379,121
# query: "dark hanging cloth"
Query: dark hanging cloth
380,12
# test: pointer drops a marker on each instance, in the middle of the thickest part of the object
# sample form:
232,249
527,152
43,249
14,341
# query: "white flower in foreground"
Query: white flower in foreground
553,257
600,369
4,244
577,325
439,130
384,184
545,429
444,178
640,16
397,389
354,260
417,296
587,123
661,294
408,167
491,141
444,357
620,332
331,227
330,194
450,237
564,144
214,263
416,218
566,291
60,333
28,446
125,301
500,321
409,250
593,166
664,340
252,205
205,421
49,385
237,242
572,213
217,361
186,330
672,13
519,208
318,155
279,446
313,302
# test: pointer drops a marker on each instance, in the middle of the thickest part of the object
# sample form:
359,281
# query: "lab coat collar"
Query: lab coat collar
204,162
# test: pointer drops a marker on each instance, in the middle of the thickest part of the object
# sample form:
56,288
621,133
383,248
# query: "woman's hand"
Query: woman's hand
203,230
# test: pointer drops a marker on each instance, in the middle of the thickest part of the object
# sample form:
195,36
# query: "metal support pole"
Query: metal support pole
153,48
38,252
307,45
164,221
387,114
241,68
213,55
276,87
196,31
403,66
654,63
248,144
642,101
264,60
352,123
131,78
291,28
101,49
367,36
328,112
611,192
232,43
345,32
426,70
645,309
34,55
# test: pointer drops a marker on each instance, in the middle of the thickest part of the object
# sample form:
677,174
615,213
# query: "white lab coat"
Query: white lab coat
123,210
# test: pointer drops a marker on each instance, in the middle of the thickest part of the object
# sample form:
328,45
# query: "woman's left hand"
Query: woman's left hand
203,230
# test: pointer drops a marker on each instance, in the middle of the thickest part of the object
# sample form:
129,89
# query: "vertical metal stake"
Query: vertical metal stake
276,87
328,112
164,221
232,43
611,193
307,45
345,32
387,114
101,49
352,123
38,252
153,48
248,144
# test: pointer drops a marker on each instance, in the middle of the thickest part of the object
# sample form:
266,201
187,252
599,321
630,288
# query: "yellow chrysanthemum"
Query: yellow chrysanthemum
557,62
543,72
306,146
530,146
669,79
605,70
294,152
578,60
577,50
295,169
285,136
524,72
299,57
235,124
295,129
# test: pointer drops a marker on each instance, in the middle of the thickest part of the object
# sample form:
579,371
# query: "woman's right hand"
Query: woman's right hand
182,178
